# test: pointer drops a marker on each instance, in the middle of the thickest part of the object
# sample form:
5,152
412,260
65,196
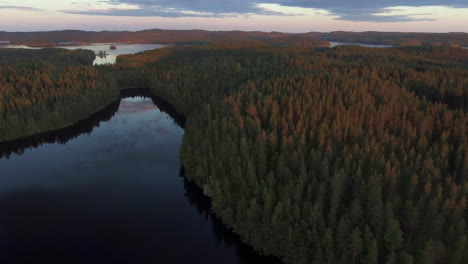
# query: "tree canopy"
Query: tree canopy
343,155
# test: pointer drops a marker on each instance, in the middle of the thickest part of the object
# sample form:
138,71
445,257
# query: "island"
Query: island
102,54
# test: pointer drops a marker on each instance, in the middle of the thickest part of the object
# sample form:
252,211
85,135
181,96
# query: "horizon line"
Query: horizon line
235,30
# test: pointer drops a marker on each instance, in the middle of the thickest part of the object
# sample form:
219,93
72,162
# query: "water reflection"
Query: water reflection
60,136
202,204
110,195
136,106
86,126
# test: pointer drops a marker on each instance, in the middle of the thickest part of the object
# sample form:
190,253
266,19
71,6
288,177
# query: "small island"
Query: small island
102,54
113,47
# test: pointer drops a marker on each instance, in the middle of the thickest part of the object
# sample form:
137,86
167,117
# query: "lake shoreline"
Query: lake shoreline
164,106
104,53
64,126
64,45
81,119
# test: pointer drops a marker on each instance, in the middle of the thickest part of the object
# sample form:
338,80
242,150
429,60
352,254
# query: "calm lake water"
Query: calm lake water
334,44
109,190
97,47
112,54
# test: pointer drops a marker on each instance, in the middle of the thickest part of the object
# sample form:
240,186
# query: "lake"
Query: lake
334,44
111,56
110,189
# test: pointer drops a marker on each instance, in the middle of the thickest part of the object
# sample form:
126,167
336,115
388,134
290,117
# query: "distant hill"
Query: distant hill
395,38
200,37
176,37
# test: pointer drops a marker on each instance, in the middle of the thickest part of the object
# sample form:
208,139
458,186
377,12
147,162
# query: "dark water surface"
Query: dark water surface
109,190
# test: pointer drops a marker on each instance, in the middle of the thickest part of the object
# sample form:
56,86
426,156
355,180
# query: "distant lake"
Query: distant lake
334,44
110,189
97,47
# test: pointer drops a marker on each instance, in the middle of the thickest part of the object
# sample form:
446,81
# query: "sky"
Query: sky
263,15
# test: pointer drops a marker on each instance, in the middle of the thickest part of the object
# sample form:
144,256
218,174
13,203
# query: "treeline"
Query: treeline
396,38
49,55
49,89
437,74
62,136
158,36
342,155
202,37
438,52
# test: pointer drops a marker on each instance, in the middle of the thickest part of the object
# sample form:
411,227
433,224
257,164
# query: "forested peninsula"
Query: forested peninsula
43,90
313,155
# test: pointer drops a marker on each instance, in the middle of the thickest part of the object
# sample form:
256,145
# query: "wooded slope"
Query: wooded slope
344,155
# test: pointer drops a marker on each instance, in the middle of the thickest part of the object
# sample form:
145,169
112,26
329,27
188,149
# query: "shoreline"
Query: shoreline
68,125
165,106
76,122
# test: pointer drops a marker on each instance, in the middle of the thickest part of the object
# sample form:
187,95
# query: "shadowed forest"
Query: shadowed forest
314,155
42,90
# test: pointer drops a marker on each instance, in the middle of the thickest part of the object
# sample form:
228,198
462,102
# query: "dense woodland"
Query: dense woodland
396,38
49,55
343,155
41,90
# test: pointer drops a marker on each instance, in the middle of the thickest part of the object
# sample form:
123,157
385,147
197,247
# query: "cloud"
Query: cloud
356,10
208,6
23,8
379,18
177,8
143,12
372,10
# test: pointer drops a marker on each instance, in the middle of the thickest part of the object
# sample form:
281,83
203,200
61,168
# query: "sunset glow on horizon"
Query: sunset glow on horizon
283,15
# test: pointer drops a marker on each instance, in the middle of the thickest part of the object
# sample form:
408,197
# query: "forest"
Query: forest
195,37
42,90
458,39
153,36
48,55
313,155
344,155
